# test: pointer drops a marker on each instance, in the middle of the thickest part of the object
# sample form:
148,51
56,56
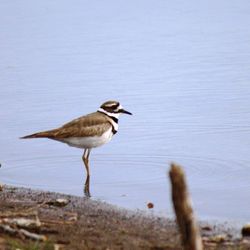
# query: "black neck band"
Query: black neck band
114,119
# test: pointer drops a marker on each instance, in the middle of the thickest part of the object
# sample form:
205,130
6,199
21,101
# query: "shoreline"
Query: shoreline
72,222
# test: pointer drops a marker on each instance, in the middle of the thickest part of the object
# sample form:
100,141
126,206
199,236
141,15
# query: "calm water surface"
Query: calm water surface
181,67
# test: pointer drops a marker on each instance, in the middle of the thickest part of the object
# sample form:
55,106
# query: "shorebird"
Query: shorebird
89,131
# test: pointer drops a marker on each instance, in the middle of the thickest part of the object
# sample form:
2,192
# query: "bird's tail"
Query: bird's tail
44,134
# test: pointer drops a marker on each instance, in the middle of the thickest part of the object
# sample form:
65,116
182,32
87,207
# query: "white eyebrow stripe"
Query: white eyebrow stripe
111,104
119,107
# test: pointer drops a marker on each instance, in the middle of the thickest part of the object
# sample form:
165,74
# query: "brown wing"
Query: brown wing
89,125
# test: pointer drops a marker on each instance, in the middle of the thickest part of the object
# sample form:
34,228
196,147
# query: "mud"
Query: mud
69,222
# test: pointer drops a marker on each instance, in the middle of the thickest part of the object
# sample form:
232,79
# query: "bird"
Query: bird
88,131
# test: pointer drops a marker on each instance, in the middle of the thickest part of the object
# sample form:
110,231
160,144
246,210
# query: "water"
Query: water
182,68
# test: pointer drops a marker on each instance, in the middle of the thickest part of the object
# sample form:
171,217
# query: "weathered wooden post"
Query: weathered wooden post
188,227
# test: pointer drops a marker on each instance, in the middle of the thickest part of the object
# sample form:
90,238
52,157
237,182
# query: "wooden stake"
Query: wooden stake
188,227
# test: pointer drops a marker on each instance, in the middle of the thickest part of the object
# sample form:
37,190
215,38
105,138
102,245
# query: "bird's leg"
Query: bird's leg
85,159
88,154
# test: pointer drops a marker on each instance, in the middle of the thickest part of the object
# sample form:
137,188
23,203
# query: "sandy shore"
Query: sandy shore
31,219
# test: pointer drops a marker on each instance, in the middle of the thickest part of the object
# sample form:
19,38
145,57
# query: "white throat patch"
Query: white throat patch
108,113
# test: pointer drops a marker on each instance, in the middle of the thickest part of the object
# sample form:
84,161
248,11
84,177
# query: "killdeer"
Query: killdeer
89,131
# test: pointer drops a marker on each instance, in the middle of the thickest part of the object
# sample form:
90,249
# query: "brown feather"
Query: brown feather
94,124
44,134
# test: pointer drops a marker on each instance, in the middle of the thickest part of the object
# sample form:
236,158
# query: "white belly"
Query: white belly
89,142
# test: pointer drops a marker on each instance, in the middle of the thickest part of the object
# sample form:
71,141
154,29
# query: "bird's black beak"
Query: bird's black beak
125,112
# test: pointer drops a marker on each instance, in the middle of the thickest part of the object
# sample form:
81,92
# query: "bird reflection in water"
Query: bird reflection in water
86,187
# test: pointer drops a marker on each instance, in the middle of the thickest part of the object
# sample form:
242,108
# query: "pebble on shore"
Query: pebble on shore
150,205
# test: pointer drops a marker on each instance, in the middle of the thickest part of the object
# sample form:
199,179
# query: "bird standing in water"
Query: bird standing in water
87,132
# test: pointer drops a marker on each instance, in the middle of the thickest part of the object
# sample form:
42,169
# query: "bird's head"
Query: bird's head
113,108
